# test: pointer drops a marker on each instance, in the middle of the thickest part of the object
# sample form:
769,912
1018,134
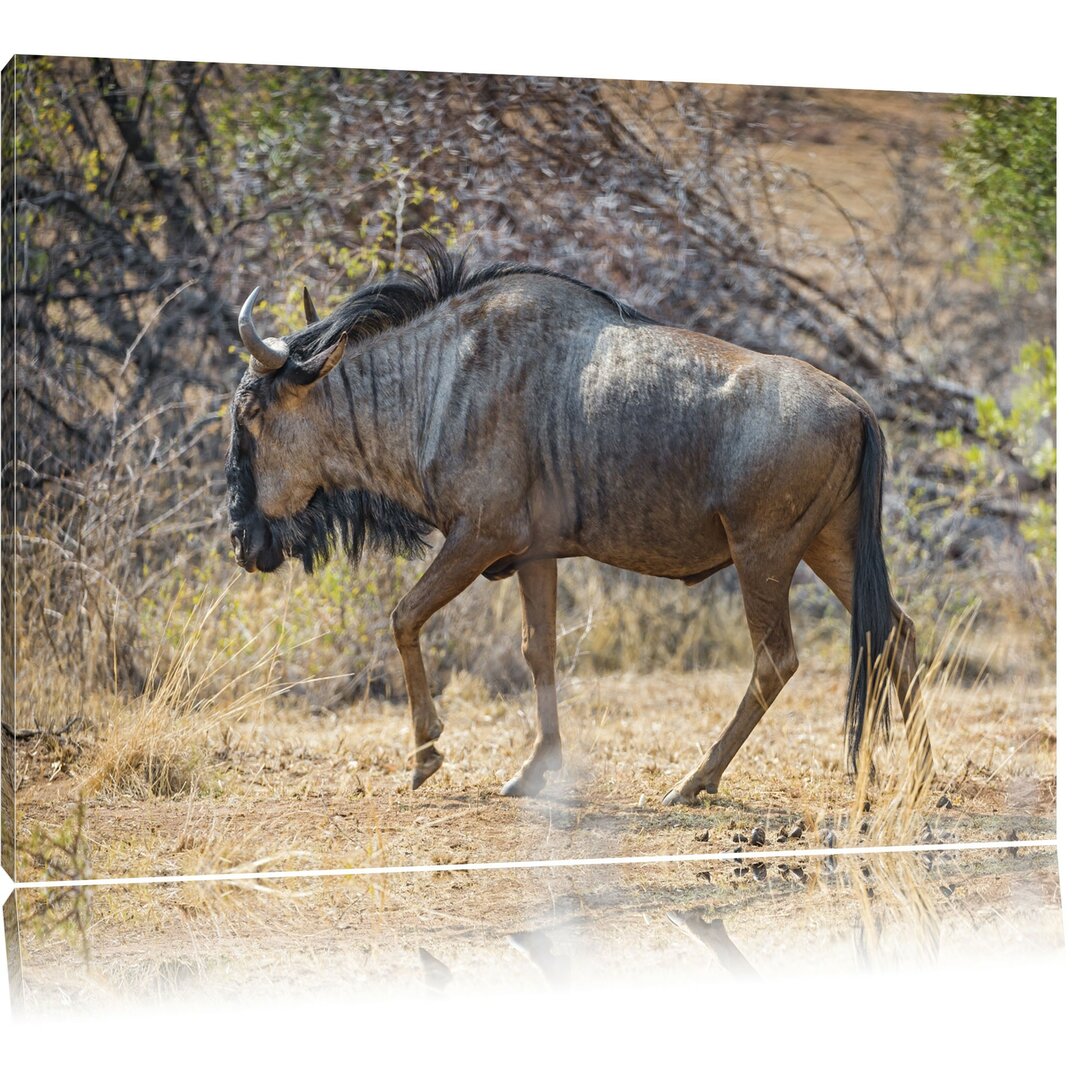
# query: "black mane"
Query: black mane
403,296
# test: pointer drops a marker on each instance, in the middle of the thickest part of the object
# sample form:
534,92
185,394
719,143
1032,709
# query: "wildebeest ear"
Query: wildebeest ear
308,372
310,313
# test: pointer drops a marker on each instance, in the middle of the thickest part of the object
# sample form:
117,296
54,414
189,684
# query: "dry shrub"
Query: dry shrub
59,854
895,787
91,549
149,749
159,743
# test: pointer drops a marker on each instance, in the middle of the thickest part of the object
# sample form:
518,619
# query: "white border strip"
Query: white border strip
540,864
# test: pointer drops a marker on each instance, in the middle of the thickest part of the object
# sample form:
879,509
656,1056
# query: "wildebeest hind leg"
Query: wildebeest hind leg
460,560
765,597
538,583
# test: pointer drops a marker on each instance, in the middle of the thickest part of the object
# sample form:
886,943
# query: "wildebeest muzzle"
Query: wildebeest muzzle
255,547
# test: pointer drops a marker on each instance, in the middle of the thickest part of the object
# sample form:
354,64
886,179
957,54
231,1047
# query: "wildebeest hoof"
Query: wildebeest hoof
425,766
532,776
681,796
523,784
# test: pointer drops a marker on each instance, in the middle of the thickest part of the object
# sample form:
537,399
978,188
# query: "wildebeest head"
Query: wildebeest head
285,469
275,472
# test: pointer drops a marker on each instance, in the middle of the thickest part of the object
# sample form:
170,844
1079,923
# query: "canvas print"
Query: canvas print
445,470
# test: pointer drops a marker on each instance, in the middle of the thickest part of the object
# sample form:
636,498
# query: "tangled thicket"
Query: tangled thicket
149,196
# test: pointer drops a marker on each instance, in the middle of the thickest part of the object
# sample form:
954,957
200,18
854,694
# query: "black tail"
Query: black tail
871,607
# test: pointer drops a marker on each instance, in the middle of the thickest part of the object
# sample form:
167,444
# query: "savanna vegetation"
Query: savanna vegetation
903,242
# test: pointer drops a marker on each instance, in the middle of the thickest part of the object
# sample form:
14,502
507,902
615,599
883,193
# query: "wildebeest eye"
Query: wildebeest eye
251,415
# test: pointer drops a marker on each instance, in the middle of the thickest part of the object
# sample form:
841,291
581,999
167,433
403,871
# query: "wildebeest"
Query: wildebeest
529,417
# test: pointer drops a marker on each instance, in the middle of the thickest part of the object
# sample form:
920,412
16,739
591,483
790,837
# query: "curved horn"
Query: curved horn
310,313
267,355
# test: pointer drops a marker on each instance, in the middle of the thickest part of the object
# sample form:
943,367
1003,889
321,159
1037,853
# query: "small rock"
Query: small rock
796,833
944,803
705,876
947,890
702,837
927,835
760,871
866,807
739,848
642,802
828,838
738,838
757,837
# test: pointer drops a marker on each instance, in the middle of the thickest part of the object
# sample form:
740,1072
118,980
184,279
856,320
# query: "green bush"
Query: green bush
1004,164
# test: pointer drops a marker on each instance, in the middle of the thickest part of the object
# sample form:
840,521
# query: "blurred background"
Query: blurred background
903,242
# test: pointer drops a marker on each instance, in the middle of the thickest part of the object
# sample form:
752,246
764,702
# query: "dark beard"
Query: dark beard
351,521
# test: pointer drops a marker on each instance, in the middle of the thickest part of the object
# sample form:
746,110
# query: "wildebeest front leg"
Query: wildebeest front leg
459,562
538,583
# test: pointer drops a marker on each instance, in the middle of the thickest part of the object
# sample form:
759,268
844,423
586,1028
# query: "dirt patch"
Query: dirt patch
333,788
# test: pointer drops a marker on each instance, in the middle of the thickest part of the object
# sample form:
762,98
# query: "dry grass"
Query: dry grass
165,741
274,785
267,779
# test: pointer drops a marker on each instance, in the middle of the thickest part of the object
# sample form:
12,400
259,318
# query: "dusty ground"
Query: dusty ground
332,789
